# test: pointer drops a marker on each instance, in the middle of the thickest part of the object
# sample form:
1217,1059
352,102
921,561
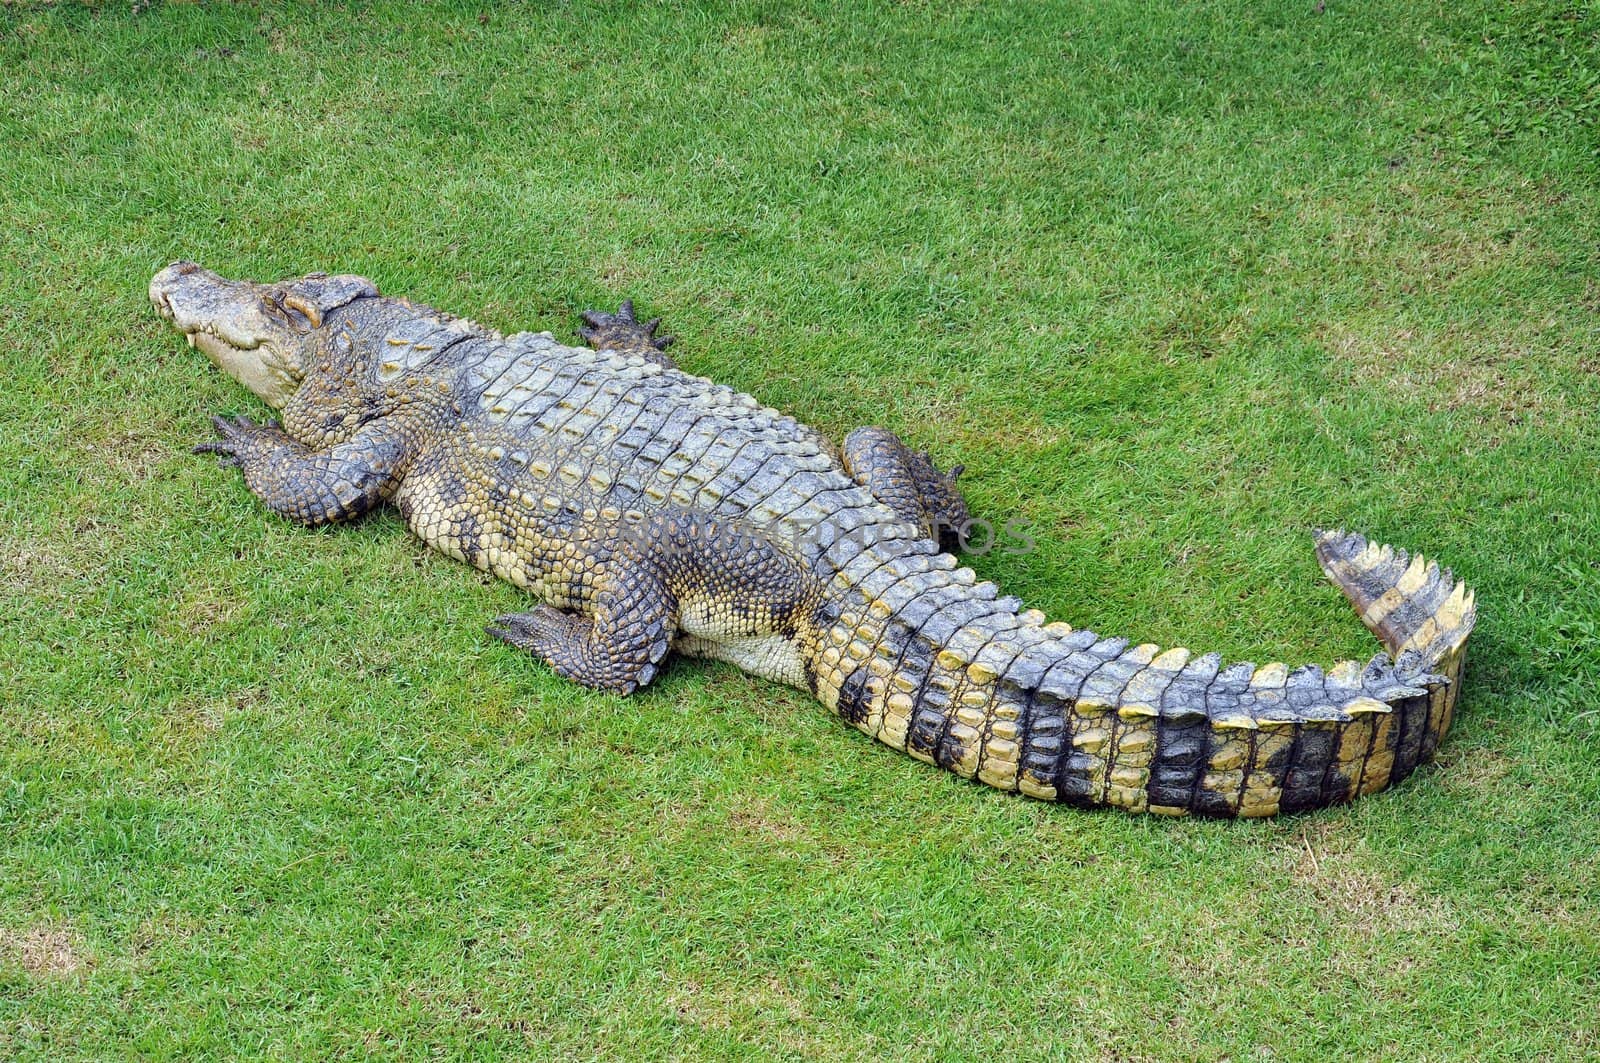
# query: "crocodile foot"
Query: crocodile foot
624,333
236,434
908,482
620,661
541,631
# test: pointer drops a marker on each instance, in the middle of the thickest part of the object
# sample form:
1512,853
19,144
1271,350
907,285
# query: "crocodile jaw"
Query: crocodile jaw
262,335
240,326
255,367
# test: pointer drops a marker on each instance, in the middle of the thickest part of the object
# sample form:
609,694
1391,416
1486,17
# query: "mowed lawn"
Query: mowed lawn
1176,282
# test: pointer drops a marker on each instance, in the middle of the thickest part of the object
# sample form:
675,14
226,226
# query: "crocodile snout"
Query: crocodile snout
187,295
236,324
257,333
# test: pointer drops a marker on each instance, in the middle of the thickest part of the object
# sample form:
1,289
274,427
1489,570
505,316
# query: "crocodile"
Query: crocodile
648,511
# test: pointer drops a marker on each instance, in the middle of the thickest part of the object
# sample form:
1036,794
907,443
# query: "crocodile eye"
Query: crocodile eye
275,301
304,307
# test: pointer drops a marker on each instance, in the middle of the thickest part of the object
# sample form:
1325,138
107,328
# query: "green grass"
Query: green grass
1176,282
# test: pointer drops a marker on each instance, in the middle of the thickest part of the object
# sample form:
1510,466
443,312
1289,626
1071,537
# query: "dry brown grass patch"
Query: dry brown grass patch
1360,899
126,456
44,950
755,815
1486,378
29,568
1473,771
766,1005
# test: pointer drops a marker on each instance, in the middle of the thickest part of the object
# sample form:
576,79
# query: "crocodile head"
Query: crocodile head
259,334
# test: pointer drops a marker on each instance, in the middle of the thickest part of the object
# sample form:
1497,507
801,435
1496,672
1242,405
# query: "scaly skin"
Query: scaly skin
652,511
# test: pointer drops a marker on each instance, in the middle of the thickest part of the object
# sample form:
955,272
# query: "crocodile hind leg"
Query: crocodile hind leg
632,617
619,648
678,577
625,334
909,483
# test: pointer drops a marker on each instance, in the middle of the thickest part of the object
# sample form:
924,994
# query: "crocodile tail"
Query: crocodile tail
925,659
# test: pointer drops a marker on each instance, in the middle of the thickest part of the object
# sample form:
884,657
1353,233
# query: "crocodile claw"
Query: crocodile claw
538,631
624,332
234,432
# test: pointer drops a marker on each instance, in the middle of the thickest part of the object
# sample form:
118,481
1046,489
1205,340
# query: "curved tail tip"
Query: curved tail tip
1408,602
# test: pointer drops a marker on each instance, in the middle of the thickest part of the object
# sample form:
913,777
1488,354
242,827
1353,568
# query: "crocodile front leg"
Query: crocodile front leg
312,487
625,334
